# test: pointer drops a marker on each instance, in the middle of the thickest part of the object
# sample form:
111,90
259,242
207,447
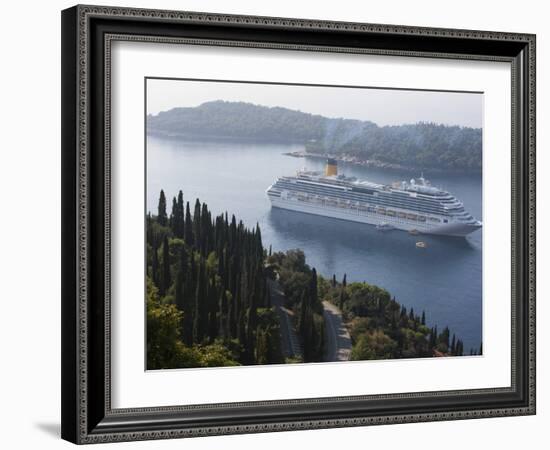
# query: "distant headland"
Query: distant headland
409,146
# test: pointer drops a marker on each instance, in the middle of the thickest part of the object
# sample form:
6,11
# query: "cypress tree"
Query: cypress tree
155,267
233,233
251,325
453,345
235,310
231,327
445,336
307,327
243,291
313,290
171,221
162,218
224,315
459,348
180,275
182,297
149,227
189,300
320,338
179,219
342,298
166,281
302,324
423,321
212,309
197,225
241,334
188,226
221,264
204,233
259,245
200,324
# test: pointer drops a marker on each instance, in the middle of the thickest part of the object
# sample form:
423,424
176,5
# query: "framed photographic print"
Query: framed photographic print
280,224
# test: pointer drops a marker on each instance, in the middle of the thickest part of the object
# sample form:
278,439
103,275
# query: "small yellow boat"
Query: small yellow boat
421,244
414,232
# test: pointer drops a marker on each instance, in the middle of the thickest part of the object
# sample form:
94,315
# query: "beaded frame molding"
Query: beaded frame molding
87,35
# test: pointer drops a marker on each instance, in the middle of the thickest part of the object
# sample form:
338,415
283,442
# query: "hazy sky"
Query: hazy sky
381,106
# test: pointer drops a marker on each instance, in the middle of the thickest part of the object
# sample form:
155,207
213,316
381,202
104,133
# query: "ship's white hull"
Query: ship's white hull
350,214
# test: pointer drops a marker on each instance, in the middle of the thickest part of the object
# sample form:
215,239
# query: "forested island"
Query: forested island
209,289
409,146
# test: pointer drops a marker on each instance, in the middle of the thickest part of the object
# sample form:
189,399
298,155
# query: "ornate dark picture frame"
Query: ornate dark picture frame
87,33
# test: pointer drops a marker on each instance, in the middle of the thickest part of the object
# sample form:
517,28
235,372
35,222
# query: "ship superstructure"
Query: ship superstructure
413,205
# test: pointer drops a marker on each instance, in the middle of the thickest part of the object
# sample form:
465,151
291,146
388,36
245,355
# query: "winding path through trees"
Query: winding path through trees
338,346
290,342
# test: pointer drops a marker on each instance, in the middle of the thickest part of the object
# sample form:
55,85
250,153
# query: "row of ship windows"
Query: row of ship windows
365,208
442,197
417,204
282,184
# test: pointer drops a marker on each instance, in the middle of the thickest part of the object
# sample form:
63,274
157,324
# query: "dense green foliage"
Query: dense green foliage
421,145
165,350
381,328
219,119
208,301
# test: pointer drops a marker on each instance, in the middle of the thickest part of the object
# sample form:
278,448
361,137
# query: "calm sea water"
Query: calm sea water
443,279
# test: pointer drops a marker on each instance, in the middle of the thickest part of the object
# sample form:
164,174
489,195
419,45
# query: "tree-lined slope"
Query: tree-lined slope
208,299
209,302
420,145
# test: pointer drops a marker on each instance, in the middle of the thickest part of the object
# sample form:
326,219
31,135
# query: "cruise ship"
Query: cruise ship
413,206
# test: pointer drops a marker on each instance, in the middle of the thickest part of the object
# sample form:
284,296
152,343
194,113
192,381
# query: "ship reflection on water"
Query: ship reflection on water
333,234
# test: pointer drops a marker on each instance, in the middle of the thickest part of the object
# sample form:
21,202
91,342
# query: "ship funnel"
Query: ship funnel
331,167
